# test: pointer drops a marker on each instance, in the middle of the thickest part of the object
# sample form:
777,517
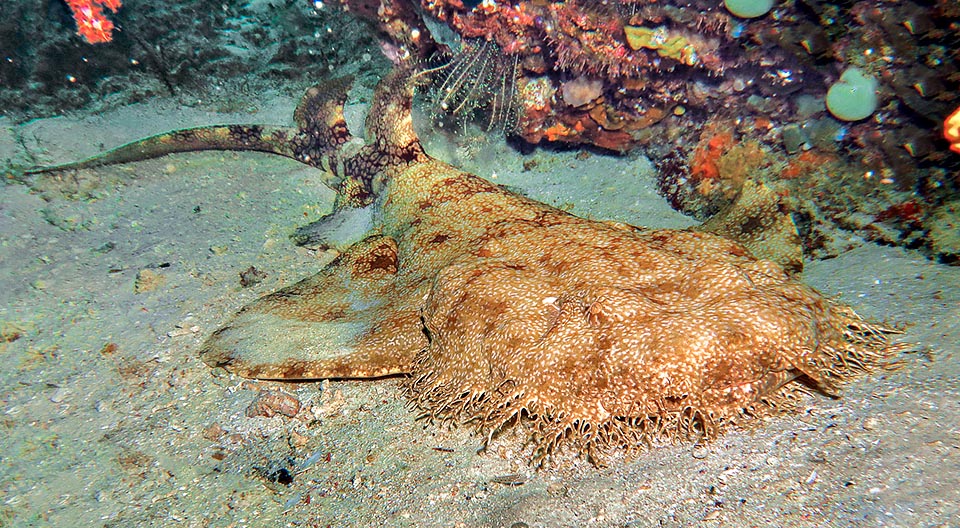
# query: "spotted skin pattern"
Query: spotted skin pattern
501,311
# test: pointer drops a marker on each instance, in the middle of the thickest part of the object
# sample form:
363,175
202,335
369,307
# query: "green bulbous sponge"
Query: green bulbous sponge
748,8
853,97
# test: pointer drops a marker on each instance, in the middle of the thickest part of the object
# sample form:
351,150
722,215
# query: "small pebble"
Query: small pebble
148,280
214,432
251,276
59,395
556,489
298,440
271,403
181,330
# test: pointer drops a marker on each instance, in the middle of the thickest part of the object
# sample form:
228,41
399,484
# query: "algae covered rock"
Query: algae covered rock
944,231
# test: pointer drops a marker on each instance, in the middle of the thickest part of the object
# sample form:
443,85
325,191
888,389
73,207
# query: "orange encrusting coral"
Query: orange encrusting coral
560,130
807,162
706,157
951,130
92,24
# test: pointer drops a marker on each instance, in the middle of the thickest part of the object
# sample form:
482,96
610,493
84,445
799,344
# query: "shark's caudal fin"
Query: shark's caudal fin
320,139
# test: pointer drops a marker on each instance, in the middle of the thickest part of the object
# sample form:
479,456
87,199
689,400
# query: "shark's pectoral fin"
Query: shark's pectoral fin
350,320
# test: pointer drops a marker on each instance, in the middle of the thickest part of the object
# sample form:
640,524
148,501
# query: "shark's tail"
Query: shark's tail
320,139
272,139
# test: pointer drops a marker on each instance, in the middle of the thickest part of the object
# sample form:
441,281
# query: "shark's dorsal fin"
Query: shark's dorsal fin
391,142
321,107
760,222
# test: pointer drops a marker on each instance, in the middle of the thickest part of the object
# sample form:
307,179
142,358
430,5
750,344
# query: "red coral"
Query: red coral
909,211
92,24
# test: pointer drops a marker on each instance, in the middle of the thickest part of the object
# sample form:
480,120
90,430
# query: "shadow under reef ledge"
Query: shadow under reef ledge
713,97
716,98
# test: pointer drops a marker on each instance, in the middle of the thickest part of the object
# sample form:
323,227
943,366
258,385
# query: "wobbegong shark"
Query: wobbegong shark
500,311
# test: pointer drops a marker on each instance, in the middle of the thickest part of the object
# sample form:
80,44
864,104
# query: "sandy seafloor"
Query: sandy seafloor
110,419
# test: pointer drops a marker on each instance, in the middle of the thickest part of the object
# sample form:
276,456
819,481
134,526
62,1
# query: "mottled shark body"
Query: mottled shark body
502,310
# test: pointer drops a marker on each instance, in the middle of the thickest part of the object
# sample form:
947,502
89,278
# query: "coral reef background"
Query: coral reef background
712,98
